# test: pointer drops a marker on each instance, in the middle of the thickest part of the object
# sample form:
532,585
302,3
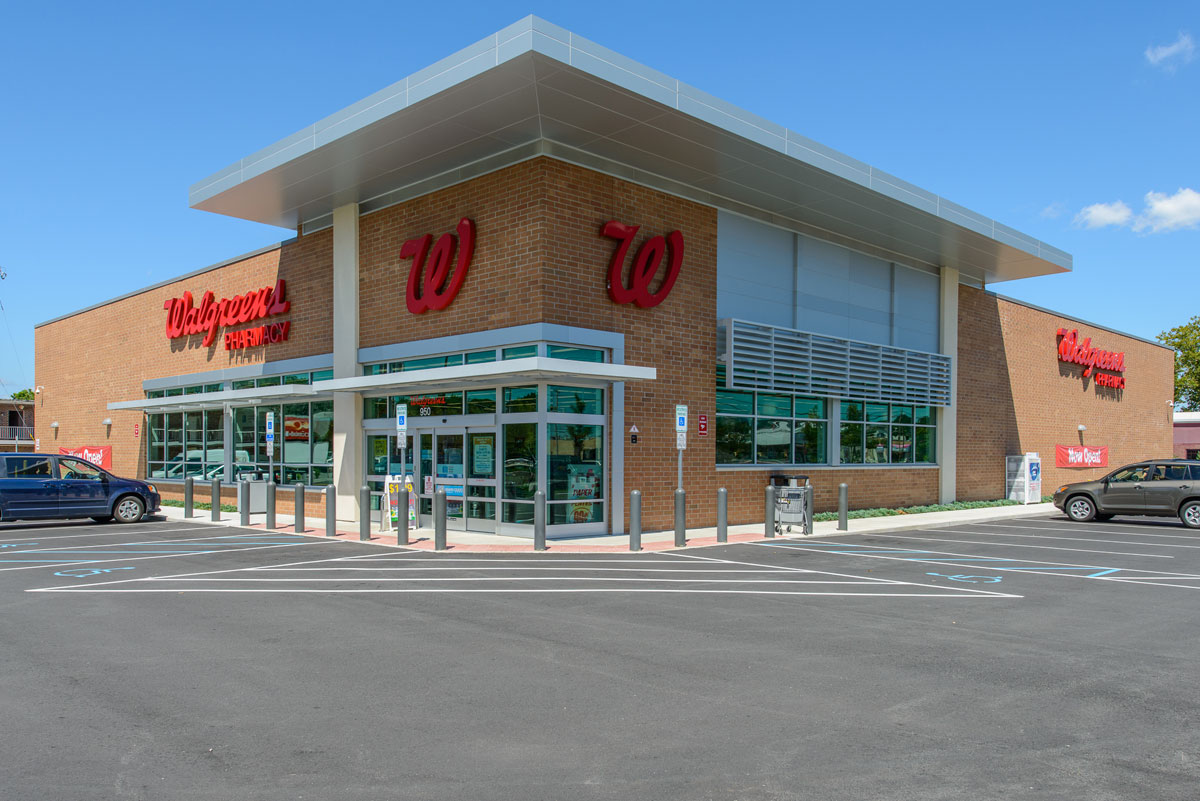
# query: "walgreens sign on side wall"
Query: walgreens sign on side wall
185,319
1073,350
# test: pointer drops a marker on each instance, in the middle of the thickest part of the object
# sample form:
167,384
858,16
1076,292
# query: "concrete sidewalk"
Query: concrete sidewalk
474,542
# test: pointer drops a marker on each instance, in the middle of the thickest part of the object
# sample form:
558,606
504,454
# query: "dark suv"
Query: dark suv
35,486
1161,487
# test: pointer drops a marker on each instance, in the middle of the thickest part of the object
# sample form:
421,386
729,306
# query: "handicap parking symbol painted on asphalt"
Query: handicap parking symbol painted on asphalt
84,572
970,579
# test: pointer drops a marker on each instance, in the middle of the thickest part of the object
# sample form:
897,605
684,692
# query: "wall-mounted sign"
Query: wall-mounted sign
184,319
295,428
1075,351
436,287
702,425
261,335
636,289
99,455
1080,456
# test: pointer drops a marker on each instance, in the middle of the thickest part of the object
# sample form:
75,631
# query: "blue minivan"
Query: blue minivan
36,486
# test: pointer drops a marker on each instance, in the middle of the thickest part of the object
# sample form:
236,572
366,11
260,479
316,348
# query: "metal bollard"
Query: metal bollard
364,513
216,499
271,504
843,507
722,515
439,520
680,518
298,526
769,513
330,511
188,499
635,520
402,517
243,496
809,499
539,521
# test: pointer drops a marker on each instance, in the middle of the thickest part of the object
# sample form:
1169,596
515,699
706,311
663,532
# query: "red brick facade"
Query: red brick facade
540,257
1015,396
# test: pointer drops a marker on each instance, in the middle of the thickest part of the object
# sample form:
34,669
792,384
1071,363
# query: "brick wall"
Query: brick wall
1015,396
87,360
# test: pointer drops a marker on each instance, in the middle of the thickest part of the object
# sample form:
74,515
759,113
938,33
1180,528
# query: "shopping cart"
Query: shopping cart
791,509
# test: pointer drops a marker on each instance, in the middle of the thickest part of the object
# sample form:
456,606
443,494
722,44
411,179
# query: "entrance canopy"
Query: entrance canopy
535,89
505,373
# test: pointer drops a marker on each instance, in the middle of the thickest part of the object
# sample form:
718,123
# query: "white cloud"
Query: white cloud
1170,56
1099,215
1169,212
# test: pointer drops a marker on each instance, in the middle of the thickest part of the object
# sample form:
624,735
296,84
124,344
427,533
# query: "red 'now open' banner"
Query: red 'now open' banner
1080,456
99,455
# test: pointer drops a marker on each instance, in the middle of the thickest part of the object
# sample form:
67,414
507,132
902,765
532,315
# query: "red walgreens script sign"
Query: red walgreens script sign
1074,351
99,455
1080,456
431,289
645,265
184,319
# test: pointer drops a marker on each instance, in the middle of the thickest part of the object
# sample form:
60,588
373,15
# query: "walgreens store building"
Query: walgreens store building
541,248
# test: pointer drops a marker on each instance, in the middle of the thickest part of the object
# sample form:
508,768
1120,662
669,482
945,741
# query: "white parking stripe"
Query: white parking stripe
1108,529
1023,545
1067,539
82,562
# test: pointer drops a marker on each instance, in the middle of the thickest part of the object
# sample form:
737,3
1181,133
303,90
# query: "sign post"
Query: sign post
681,415
402,443
270,446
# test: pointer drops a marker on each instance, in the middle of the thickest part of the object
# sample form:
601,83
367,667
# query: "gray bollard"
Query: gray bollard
722,515
809,499
769,512
243,496
402,517
298,526
330,511
680,518
188,498
216,499
439,520
843,507
539,521
635,520
364,513
271,504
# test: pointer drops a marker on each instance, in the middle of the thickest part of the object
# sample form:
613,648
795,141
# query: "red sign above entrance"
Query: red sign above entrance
1075,351
431,290
184,319
1080,456
645,265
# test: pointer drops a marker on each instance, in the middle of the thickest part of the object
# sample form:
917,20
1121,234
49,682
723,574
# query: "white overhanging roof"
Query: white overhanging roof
536,89
441,379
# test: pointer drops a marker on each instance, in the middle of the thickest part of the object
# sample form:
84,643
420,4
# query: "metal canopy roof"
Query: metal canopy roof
503,373
537,89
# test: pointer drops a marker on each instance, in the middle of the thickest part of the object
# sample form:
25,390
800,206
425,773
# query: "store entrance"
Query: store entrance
462,463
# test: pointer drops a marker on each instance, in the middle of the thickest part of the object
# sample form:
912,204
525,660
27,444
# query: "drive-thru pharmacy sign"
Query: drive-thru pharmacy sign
1073,350
185,319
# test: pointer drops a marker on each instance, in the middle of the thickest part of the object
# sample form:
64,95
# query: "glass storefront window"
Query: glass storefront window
481,401
322,375
296,378
575,462
558,514
774,405
481,357
294,428
852,410
902,444
520,461
520,352
877,412
810,408
810,443
731,401
735,440
902,414
876,450
377,455
272,381
244,384
574,354
891,437
575,400
923,445
924,416
520,399
852,443
375,408
322,434
773,441
430,362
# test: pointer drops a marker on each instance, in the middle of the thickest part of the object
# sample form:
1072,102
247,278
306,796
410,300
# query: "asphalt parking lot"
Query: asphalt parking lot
1029,658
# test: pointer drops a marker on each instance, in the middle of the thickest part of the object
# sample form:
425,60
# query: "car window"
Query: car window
79,470
29,467
1171,472
1137,473
1196,472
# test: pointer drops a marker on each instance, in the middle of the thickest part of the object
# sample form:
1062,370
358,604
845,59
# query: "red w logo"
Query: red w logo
645,265
430,289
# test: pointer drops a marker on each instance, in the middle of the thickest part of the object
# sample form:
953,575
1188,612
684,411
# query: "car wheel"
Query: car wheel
102,518
1081,509
129,509
1104,518
1190,514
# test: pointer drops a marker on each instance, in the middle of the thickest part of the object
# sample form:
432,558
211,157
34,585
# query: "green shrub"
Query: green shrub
225,507
858,514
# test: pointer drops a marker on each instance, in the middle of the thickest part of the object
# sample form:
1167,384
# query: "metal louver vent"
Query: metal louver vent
765,357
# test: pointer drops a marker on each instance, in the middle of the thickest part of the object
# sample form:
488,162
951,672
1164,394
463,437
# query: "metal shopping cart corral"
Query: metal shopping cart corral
793,503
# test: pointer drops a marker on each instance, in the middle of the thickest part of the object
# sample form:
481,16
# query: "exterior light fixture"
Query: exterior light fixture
107,421
38,389
54,424
1082,427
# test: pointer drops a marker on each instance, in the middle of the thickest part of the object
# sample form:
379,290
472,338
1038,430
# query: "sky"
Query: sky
1073,123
